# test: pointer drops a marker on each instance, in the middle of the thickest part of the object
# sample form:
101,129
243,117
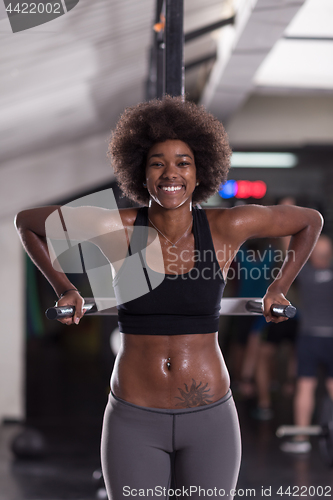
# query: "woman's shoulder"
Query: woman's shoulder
218,216
228,222
221,216
89,222
128,215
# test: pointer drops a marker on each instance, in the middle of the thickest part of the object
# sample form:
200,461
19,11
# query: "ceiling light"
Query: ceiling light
263,160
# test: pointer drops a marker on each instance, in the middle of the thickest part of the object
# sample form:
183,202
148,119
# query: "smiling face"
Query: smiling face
171,173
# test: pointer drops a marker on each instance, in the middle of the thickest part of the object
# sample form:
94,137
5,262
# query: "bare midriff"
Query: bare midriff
170,371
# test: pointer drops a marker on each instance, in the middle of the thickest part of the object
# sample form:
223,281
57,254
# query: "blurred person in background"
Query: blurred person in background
272,338
315,339
252,272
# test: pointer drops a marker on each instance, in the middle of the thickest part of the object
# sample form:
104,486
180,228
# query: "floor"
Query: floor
72,456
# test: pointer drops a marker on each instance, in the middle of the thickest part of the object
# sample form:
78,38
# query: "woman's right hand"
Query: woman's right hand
72,298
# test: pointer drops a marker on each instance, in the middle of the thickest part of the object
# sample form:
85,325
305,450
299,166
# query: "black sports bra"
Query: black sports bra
169,304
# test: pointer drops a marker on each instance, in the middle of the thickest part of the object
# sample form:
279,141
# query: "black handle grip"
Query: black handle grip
276,309
68,311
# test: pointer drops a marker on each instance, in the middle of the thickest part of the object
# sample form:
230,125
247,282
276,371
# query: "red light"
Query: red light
259,189
248,189
244,189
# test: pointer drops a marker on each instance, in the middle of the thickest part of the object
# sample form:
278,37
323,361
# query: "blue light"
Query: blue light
228,190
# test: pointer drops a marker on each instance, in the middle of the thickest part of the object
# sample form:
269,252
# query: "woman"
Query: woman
170,411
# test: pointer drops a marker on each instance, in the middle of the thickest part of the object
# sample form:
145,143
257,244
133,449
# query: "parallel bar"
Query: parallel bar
202,60
296,430
107,307
167,67
174,48
191,35
309,38
151,80
156,81
160,68
160,54
277,309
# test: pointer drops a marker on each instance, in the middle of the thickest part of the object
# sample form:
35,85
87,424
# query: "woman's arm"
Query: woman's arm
30,225
302,224
100,226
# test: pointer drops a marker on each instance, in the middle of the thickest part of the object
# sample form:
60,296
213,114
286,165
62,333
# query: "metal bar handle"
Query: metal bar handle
231,306
68,311
287,311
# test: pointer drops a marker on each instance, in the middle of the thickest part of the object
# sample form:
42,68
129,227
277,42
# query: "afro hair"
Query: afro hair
159,120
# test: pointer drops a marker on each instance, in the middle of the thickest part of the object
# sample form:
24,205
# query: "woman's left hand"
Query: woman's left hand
271,298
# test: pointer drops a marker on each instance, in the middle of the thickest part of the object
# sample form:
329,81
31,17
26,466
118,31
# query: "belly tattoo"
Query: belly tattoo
196,395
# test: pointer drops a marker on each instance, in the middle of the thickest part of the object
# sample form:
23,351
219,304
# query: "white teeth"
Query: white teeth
171,188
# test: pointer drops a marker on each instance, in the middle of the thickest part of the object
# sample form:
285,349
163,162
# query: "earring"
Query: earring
144,184
197,183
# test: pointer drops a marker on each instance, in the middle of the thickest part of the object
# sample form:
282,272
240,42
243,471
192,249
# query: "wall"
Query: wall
282,121
29,181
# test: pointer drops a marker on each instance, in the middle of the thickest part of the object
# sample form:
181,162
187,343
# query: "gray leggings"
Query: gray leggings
180,450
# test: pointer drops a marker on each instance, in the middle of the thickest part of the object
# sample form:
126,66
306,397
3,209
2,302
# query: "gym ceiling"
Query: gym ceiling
63,84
